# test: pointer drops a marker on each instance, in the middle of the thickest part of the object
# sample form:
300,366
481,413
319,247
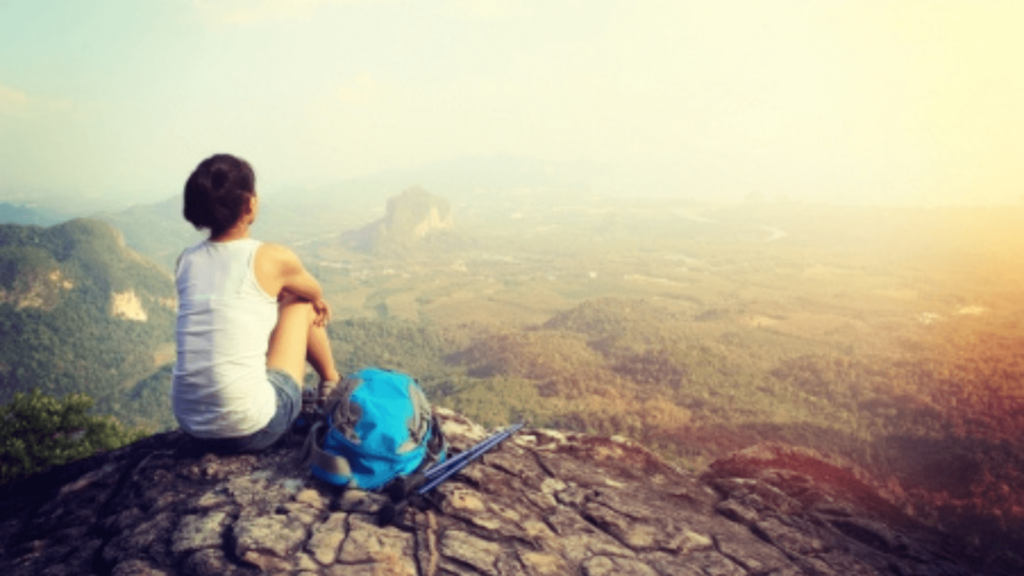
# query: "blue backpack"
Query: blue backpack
378,427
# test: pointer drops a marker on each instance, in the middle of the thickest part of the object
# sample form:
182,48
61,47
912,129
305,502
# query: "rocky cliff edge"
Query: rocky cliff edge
544,503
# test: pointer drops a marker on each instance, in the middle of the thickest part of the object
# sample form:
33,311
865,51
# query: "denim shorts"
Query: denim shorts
289,404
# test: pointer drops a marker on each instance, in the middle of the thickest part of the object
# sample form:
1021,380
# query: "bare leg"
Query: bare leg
296,338
318,353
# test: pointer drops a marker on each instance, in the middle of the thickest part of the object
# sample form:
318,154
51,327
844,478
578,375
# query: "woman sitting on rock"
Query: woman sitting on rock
249,317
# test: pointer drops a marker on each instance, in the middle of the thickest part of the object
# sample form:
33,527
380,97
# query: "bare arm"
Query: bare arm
279,271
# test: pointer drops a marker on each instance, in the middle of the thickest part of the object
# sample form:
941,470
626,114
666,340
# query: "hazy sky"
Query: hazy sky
813,99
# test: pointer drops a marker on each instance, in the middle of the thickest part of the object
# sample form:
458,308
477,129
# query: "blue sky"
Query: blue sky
862,101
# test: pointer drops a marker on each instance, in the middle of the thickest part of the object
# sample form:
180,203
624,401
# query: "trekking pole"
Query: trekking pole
481,447
440,468
441,472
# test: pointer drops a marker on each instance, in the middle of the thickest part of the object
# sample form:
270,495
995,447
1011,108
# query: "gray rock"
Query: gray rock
788,540
141,541
545,503
266,540
471,550
136,568
325,541
208,562
368,543
615,566
196,532
737,512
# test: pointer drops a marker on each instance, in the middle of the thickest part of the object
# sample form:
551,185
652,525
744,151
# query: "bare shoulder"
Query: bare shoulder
271,249
274,265
276,255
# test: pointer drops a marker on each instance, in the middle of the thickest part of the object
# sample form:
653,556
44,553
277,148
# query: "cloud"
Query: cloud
248,12
12,101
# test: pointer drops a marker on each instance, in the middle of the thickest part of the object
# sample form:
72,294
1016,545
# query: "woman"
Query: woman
249,317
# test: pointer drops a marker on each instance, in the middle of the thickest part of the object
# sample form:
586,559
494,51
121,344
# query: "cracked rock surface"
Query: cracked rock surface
543,503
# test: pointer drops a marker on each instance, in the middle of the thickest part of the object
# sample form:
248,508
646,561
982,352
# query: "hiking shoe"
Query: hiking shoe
308,413
324,391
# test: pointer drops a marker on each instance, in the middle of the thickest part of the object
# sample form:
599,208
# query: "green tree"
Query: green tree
39,431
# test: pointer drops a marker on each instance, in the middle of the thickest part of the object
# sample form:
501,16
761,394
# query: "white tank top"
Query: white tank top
225,319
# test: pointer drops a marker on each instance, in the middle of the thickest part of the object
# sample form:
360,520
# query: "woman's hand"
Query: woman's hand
323,312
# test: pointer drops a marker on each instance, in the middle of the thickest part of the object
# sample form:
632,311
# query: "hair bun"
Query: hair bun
217,192
218,178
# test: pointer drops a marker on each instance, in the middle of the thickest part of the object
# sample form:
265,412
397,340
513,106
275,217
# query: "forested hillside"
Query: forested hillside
80,313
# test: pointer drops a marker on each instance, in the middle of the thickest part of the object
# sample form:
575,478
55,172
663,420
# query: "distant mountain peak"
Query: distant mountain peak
412,218
417,213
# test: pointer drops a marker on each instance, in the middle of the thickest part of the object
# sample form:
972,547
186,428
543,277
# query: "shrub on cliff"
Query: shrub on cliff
39,431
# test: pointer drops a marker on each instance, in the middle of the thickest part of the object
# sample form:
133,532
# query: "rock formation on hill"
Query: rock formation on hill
82,313
545,503
413,218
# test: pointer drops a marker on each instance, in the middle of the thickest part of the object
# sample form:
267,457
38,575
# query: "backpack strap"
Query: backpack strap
344,413
312,454
402,491
437,446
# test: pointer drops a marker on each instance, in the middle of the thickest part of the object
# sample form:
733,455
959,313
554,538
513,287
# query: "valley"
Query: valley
888,336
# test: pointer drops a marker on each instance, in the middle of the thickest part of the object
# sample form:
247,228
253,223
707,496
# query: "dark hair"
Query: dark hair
217,192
